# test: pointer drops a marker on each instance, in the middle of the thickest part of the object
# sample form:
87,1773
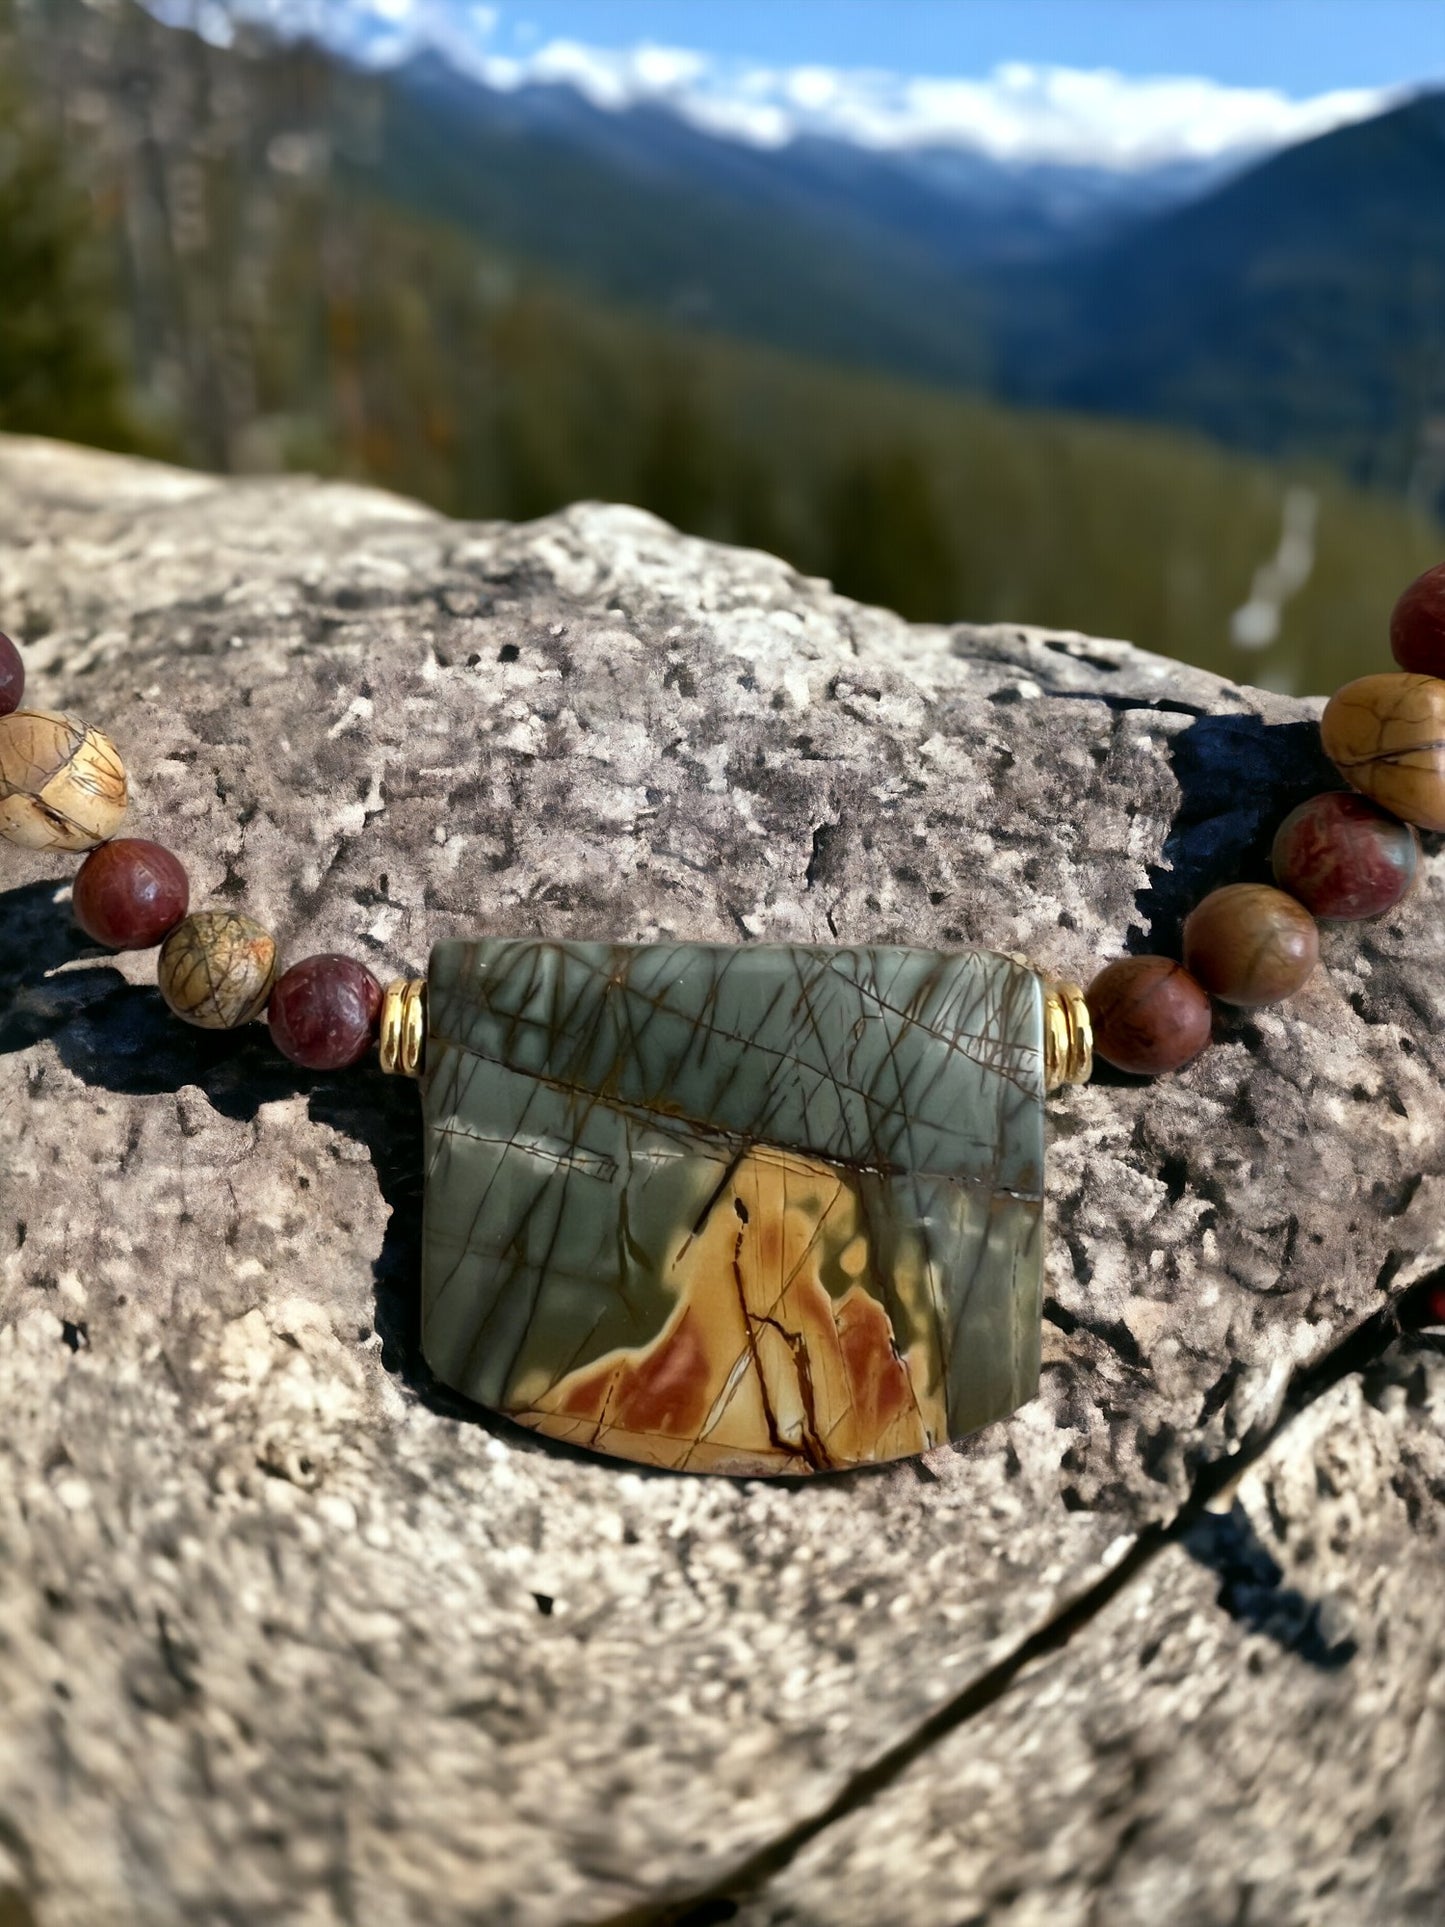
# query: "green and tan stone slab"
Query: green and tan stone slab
290,1633
734,1208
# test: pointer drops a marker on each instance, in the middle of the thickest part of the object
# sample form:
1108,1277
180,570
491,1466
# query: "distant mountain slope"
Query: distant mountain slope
832,250
1296,309
280,310
959,205
282,301
1299,308
645,209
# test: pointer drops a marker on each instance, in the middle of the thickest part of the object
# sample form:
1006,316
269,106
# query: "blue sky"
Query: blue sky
1300,46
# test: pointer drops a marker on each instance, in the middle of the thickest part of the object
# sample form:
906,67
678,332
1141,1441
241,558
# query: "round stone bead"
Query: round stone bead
216,969
1250,944
12,676
1417,624
1148,1015
62,785
1385,734
323,1012
1344,857
129,893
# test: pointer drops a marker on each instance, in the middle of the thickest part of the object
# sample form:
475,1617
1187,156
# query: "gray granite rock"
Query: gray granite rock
1253,1730
287,1633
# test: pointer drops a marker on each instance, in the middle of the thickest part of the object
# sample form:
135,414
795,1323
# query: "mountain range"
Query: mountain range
1298,309
832,249
256,255
1293,306
1290,304
959,203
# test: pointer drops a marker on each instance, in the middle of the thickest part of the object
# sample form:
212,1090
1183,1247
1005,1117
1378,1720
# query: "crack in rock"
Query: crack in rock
1195,1527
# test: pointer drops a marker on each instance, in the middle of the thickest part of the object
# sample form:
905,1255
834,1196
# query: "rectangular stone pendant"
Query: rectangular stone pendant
761,1208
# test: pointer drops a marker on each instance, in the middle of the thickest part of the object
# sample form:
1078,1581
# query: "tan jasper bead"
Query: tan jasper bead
1249,943
216,969
1385,734
62,785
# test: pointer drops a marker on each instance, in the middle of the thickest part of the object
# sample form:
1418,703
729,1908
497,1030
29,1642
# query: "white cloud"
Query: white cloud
813,89
1018,112
606,83
667,69
759,123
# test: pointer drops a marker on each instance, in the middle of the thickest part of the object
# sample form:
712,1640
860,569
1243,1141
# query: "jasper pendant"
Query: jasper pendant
769,1208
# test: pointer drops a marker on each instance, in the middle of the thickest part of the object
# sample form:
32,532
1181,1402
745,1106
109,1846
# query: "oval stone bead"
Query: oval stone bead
1148,1015
1250,944
12,677
1344,857
129,893
1417,624
62,784
216,969
1385,734
323,1012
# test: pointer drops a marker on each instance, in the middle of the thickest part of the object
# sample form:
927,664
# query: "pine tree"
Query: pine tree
890,541
59,370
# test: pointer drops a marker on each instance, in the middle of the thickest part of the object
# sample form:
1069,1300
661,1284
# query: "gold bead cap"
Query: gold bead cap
1068,1035
403,1027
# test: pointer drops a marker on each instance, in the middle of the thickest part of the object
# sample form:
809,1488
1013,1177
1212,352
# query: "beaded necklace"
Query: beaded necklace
759,1208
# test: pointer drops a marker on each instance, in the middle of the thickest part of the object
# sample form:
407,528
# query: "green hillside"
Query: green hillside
1299,308
691,235
271,310
60,368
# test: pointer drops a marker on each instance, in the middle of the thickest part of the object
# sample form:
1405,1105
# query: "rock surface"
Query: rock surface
289,1634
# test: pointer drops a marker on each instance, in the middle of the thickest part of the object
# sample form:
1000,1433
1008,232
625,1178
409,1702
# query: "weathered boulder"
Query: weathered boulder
287,1633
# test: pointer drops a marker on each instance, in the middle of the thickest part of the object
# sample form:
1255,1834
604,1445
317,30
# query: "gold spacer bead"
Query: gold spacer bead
403,1027
1068,1035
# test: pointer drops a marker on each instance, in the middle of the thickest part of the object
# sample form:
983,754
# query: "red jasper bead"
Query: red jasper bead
129,894
1417,624
1344,857
12,676
1148,1015
1250,944
323,1012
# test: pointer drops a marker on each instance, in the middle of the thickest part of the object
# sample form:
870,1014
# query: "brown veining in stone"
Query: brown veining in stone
1248,944
62,783
1149,1015
1386,735
734,1208
777,1361
216,969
